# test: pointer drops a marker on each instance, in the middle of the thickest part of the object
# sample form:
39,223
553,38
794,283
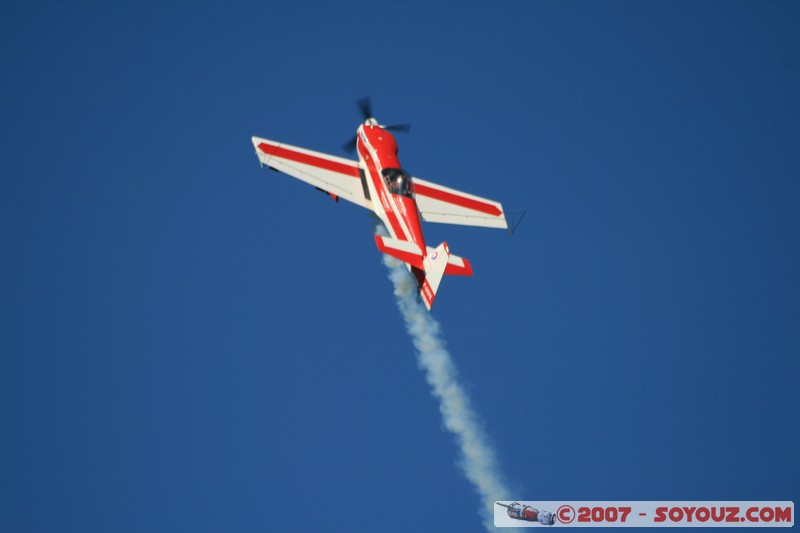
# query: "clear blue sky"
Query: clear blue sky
190,343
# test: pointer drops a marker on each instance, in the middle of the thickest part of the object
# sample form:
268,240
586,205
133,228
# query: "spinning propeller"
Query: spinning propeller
365,106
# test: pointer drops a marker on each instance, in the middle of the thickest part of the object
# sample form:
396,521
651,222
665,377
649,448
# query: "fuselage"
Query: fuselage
390,188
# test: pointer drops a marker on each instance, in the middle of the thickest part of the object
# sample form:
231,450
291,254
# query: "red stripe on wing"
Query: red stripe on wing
319,162
452,198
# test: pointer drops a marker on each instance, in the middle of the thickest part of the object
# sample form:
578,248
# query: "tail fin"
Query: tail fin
427,269
434,264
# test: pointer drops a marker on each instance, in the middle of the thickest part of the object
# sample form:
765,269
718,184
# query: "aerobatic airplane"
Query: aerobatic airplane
378,182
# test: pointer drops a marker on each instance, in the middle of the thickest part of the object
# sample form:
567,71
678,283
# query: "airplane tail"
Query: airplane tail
428,269
435,263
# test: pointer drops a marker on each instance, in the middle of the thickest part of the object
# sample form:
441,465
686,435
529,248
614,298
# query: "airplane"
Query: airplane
529,514
377,182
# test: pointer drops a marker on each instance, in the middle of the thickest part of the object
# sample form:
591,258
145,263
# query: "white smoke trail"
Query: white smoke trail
477,456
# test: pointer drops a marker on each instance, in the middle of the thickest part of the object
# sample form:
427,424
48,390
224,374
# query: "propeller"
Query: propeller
400,128
350,146
365,107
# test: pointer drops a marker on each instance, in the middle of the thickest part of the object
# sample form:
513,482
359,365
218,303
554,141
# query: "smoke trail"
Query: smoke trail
477,456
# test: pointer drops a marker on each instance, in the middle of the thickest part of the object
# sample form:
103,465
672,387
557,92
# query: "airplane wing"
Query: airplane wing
437,203
337,176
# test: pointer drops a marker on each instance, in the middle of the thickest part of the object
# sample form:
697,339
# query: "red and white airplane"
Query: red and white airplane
378,182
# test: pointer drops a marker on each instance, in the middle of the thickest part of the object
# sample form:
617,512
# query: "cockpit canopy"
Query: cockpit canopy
398,181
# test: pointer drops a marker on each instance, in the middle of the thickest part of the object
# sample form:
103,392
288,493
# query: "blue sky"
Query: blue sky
189,343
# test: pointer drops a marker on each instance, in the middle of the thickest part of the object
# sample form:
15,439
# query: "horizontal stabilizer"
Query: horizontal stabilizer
456,266
405,251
